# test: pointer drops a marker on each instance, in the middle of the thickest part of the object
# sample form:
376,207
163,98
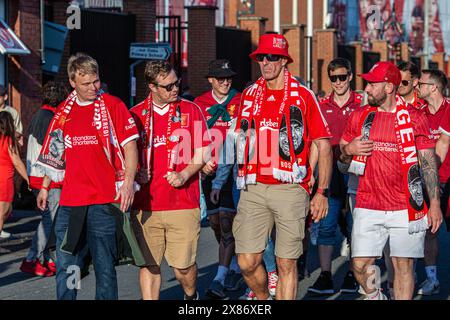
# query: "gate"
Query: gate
172,30
109,44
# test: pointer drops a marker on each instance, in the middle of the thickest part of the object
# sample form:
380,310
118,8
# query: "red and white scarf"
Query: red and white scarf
408,154
290,171
172,141
53,161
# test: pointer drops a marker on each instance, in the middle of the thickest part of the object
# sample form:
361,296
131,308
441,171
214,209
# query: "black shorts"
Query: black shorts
226,203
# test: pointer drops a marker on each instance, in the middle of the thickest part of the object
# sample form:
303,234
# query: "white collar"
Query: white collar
161,110
83,104
217,99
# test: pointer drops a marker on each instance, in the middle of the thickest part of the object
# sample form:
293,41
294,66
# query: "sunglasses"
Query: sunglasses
269,57
422,83
222,80
341,77
405,82
169,87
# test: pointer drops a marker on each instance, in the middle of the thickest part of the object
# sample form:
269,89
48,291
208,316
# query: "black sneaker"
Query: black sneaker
323,285
350,285
216,291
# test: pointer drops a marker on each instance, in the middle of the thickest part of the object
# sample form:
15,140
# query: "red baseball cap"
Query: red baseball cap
383,72
272,44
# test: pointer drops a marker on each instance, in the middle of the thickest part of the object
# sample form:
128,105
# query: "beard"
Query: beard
377,102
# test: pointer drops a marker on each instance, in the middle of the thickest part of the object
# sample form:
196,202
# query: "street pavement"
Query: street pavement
16,285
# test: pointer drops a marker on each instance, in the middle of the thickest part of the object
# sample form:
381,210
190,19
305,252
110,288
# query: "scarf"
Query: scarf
52,159
412,182
219,110
174,123
291,167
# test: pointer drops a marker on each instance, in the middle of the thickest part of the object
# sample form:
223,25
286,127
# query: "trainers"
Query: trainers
272,280
323,285
429,287
36,268
345,248
248,295
215,291
5,235
234,281
196,296
350,285
379,296
50,265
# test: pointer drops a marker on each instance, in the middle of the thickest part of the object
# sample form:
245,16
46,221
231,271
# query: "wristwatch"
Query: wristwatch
323,192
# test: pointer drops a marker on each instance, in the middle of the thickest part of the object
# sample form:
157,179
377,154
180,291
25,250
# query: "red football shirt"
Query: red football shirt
267,126
435,122
90,178
158,195
381,186
445,123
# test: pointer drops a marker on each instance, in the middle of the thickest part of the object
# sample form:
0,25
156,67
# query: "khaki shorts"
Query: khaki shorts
262,205
172,234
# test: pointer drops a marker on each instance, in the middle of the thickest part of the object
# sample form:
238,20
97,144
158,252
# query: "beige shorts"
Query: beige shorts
172,234
262,205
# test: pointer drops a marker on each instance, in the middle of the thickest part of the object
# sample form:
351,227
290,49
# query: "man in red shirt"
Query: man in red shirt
383,143
90,145
408,87
220,106
172,150
432,86
278,119
336,109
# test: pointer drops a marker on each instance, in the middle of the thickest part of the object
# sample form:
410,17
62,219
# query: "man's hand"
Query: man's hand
41,200
359,147
176,179
434,218
214,197
126,195
143,176
319,207
209,168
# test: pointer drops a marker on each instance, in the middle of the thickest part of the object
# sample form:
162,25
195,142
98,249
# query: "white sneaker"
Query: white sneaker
345,248
429,287
5,235
379,296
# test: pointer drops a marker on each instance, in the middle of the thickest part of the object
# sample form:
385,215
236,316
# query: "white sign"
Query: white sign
150,51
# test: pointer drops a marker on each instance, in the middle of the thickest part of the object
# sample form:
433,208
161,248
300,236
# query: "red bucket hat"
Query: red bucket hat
383,72
272,44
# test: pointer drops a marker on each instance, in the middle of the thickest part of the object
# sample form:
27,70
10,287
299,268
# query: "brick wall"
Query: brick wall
201,46
381,46
295,35
60,17
324,50
256,25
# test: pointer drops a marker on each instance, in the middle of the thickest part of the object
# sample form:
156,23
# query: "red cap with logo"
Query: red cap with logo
383,72
272,44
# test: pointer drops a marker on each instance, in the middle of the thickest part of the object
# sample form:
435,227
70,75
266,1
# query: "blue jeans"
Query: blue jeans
100,241
44,228
269,257
328,225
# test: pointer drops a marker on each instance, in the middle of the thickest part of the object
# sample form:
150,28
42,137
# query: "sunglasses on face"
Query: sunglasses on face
269,57
341,77
405,83
222,80
169,87
423,83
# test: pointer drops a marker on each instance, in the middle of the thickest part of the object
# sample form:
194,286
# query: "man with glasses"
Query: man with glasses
336,109
408,87
399,137
173,146
274,179
220,106
432,86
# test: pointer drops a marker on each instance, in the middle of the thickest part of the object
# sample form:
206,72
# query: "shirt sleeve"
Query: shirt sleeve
422,131
445,123
317,125
351,129
124,124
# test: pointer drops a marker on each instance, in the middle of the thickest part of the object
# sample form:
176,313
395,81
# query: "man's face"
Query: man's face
415,188
86,86
221,86
166,88
409,88
425,86
270,70
376,93
340,87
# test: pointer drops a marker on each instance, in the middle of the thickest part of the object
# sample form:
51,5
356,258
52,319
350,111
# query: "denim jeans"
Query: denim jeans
101,242
40,238
328,226
269,257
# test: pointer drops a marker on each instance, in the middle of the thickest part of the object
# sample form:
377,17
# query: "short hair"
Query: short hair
82,63
439,78
53,93
339,63
409,66
156,68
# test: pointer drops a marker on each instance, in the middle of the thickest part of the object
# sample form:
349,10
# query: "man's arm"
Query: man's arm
178,179
442,148
126,191
319,204
428,165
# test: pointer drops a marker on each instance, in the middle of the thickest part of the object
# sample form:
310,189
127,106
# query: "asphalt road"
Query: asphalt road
20,286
